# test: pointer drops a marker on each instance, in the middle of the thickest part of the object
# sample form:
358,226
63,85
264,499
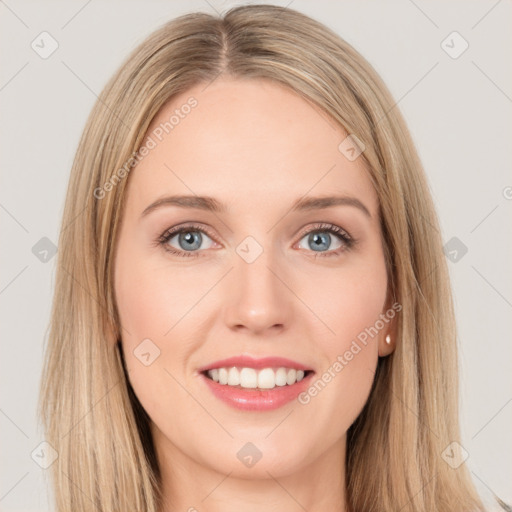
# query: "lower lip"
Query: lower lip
257,399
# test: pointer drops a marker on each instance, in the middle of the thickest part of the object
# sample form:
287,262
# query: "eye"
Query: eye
188,240
320,239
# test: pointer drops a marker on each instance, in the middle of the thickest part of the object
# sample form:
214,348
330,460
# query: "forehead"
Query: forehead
246,141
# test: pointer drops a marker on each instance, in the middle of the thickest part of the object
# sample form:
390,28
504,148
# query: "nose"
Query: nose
258,297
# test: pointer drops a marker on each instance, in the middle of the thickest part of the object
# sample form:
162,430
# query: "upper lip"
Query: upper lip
250,362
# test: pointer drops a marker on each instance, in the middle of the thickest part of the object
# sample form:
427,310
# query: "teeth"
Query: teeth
233,377
267,378
223,376
291,377
281,377
248,377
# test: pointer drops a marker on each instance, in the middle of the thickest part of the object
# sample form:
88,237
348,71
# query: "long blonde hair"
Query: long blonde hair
90,414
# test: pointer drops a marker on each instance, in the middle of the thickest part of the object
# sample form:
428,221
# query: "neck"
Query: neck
191,483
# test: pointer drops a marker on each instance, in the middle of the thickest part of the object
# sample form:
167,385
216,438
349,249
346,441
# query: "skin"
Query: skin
256,147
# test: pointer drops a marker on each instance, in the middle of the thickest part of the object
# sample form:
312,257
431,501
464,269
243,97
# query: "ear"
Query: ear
389,331
387,348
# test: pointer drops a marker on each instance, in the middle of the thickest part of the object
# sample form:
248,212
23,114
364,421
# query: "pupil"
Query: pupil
189,237
316,239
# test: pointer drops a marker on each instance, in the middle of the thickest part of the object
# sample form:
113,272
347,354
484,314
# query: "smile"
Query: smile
250,378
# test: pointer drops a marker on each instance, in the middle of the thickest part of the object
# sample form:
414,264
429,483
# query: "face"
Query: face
258,276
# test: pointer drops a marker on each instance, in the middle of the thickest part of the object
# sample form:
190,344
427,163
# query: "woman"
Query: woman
252,306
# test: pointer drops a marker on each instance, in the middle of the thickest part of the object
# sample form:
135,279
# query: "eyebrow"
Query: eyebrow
211,204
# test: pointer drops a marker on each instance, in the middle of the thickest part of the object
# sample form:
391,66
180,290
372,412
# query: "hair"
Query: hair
90,413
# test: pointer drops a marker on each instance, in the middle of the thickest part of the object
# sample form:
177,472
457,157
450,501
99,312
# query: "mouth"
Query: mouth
251,378
245,372
258,386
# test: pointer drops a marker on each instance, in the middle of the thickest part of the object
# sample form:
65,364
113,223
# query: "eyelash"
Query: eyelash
347,240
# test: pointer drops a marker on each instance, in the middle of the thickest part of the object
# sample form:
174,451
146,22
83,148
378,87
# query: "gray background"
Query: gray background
459,113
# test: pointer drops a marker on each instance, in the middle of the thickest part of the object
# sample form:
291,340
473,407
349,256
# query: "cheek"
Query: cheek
144,299
150,298
150,304
348,302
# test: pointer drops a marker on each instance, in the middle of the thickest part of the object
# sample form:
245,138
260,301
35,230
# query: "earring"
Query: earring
388,339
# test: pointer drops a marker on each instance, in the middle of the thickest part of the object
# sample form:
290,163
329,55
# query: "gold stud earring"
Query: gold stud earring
388,339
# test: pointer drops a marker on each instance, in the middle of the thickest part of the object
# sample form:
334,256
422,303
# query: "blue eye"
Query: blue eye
189,239
319,238
319,241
